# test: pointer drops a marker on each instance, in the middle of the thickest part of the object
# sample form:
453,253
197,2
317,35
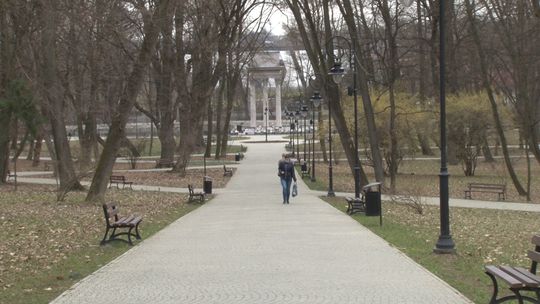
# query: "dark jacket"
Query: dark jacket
286,169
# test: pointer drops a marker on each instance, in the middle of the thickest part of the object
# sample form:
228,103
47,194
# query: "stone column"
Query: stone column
252,105
278,103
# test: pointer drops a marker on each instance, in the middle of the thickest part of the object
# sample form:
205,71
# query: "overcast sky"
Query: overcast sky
276,23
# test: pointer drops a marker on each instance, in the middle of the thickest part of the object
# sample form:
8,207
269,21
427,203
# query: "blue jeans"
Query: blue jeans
286,186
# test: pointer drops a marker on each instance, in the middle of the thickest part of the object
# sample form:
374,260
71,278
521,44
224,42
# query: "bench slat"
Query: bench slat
519,276
135,221
528,274
123,221
510,280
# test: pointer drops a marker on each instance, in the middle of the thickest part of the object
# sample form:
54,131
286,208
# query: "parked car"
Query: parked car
249,131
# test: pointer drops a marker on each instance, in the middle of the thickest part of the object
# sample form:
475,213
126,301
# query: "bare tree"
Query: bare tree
316,37
127,101
491,95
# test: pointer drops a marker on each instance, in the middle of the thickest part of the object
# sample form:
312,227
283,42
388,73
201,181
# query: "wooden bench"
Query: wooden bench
115,221
119,179
517,278
227,171
164,163
193,195
355,205
11,176
500,189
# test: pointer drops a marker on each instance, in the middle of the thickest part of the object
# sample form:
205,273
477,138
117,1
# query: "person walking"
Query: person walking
286,175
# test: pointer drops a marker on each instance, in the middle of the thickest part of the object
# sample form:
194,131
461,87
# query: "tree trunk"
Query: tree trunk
55,100
165,104
378,166
486,151
32,144
21,146
127,100
489,91
37,148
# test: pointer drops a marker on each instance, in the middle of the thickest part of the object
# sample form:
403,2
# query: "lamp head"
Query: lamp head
304,111
337,72
316,99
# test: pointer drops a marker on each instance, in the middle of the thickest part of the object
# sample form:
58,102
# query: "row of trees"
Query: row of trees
491,50
93,61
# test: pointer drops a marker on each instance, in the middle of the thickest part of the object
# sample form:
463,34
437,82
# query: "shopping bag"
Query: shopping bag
294,190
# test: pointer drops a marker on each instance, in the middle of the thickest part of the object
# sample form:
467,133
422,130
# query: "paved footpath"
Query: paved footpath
244,246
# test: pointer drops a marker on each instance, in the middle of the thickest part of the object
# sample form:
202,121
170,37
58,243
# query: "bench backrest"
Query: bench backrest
487,186
118,178
534,255
110,210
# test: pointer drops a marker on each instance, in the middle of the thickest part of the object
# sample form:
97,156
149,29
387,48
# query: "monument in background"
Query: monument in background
266,71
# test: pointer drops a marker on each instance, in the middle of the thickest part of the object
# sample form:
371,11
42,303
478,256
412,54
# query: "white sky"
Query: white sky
276,23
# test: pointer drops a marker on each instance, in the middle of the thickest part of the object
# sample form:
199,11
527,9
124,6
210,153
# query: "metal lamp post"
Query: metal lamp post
316,101
331,193
445,244
266,124
337,73
304,112
291,131
297,122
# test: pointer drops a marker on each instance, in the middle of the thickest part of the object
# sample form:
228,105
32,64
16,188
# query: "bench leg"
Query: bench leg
138,236
518,295
129,236
493,299
113,234
105,237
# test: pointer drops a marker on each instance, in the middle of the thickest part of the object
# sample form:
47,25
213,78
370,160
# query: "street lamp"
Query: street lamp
445,244
330,176
266,124
296,121
337,73
291,129
316,101
304,112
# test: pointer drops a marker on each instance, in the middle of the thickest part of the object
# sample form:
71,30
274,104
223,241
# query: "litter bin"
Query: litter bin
237,157
207,185
303,167
372,194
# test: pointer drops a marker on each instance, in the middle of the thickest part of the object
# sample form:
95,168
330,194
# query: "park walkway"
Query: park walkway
244,246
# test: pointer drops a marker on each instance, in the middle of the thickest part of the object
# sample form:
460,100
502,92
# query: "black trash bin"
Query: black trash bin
372,194
303,167
207,185
237,157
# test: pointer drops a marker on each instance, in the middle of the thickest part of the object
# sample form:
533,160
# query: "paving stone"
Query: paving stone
245,246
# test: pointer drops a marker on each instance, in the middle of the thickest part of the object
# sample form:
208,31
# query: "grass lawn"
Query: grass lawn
481,237
47,246
420,177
